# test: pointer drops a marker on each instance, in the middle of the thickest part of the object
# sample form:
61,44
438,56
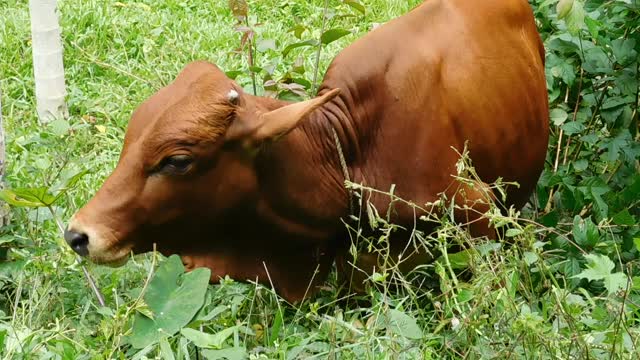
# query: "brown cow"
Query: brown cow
253,187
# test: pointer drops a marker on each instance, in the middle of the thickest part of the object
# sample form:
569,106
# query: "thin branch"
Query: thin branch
87,275
319,50
253,74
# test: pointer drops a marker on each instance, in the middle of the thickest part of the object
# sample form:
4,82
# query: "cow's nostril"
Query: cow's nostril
79,242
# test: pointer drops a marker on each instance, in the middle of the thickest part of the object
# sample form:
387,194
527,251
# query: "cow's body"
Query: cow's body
445,73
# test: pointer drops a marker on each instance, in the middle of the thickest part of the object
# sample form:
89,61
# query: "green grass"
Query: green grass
522,302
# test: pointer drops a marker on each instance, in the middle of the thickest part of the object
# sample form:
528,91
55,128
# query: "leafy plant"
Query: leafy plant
172,300
292,84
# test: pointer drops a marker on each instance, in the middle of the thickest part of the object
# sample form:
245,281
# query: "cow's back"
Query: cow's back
448,71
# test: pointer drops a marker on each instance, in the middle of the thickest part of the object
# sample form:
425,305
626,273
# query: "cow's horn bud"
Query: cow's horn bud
233,96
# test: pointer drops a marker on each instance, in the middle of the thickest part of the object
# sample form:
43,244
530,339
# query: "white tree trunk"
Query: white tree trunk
48,68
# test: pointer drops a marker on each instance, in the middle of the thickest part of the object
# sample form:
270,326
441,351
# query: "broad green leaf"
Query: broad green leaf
636,242
379,278
573,127
233,74
595,189
571,268
3,335
624,218
513,232
235,353
5,239
580,165
59,127
12,199
593,26
42,163
551,219
530,257
173,302
372,215
302,346
562,68
630,193
575,17
165,349
403,325
266,44
558,116
72,181
615,145
596,61
612,115
356,5
204,340
68,182
585,232
332,35
590,139
143,309
599,267
27,197
563,8
276,327
486,249
213,313
623,50
12,268
290,96
615,101
298,30
459,260
600,205
105,311
297,45
465,295
512,283
215,341
570,199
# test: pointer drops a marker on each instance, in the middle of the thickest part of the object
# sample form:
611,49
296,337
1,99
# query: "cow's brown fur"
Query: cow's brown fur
265,197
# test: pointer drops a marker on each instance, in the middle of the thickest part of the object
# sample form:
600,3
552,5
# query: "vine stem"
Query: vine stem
547,207
253,74
87,275
319,50
575,115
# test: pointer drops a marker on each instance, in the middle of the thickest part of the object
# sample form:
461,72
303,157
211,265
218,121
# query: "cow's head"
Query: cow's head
186,163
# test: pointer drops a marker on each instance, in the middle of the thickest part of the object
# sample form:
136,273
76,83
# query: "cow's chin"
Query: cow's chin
113,261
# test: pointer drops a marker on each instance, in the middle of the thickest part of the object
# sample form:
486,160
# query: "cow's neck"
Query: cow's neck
296,222
301,176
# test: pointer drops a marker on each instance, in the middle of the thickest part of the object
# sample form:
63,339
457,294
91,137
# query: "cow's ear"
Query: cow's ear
278,122
273,124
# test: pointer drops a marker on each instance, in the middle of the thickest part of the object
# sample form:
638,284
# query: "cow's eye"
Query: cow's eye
176,164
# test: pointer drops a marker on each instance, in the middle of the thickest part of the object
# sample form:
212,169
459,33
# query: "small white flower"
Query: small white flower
455,323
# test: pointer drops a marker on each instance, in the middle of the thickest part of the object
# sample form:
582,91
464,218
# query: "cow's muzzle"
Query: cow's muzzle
79,242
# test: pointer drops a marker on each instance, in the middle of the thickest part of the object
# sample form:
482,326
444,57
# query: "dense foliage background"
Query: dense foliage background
568,288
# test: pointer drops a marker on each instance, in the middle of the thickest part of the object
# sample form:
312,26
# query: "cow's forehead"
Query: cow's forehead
199,90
